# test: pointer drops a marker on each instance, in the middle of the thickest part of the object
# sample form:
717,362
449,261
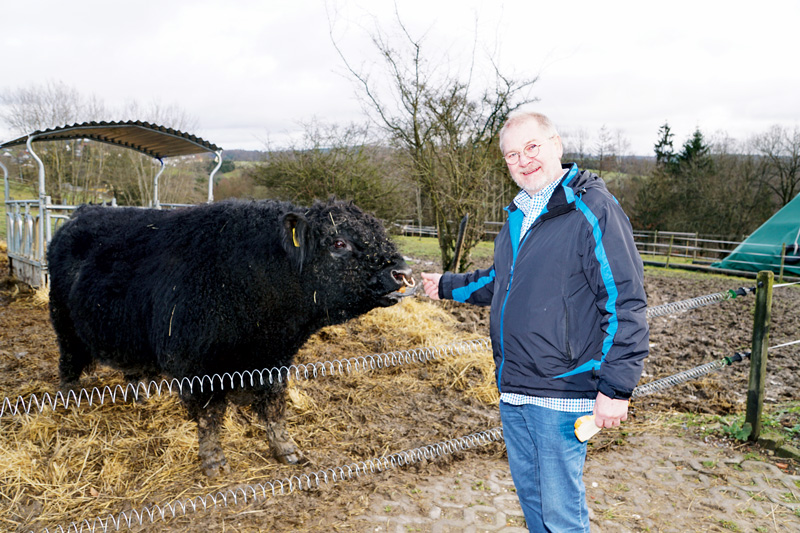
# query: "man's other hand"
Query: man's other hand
609,413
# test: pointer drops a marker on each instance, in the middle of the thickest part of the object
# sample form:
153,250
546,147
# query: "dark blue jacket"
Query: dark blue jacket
568,302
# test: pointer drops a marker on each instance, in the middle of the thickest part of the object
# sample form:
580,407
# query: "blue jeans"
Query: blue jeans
546,461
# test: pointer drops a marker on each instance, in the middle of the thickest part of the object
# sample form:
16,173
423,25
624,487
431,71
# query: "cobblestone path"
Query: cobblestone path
653,483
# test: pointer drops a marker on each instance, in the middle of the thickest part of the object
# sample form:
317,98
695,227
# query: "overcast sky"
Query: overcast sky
249,71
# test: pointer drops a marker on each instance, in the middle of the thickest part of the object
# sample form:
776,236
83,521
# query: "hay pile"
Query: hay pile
69,465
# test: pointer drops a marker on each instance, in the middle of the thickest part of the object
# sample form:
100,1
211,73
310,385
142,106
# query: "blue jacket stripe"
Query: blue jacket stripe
573,171
515,219
462,294
611,288
607,275
588,366
570,195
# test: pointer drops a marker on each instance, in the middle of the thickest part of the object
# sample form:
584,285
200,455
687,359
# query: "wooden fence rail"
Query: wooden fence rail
694,246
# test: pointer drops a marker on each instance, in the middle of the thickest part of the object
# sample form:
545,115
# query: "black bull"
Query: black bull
216,288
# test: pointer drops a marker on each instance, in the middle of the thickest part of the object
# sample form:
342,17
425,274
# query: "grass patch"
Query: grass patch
696,274
780,419
427,248
663,259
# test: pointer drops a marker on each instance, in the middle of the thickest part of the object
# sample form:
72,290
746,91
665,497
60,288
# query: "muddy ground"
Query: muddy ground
79,464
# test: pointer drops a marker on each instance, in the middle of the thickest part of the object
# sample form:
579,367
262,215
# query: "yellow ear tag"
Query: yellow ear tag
294,238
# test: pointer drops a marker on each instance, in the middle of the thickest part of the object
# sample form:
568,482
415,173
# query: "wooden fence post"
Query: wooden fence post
669,250
783,262
462,230
758,356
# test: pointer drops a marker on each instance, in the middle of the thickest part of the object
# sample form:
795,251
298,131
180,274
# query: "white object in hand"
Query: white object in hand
585,428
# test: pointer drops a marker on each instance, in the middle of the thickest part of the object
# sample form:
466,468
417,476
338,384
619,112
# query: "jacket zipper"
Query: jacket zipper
566,331
503,324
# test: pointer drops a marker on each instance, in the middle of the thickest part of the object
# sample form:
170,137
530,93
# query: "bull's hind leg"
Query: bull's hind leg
208,412
75,355
271,408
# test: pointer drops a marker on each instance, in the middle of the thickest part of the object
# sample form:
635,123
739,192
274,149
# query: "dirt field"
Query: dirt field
65,466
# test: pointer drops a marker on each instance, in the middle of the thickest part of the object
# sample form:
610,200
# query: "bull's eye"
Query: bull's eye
340,247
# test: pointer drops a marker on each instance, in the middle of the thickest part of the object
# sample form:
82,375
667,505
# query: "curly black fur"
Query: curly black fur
211,289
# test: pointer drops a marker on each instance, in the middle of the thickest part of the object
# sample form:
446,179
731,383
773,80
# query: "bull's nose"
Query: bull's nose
403,277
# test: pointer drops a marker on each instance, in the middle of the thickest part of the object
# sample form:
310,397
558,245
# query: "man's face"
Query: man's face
533,173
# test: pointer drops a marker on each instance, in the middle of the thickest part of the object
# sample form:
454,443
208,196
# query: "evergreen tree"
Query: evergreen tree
665,153
657,200
695,152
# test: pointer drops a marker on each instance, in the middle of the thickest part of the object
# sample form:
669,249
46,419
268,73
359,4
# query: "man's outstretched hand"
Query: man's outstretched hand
430,282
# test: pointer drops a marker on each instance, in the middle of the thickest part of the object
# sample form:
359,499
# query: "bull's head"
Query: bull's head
345,255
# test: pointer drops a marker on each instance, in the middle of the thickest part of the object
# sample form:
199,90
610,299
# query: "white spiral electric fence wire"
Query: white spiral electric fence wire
252,378
687,375
694,303
244,494
696,372
708,299
248,378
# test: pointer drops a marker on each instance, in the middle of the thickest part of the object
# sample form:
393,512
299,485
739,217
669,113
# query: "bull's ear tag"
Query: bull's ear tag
294,238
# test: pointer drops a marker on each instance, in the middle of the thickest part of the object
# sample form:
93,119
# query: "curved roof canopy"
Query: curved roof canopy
150,139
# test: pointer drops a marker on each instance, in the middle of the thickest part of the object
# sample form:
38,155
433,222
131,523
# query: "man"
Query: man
567,322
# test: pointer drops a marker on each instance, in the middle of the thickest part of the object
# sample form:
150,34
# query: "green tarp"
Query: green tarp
762,249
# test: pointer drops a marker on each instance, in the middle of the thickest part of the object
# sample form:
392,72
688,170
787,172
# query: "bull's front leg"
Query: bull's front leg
271,408
208,414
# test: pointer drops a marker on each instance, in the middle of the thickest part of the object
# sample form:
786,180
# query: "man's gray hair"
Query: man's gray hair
523,115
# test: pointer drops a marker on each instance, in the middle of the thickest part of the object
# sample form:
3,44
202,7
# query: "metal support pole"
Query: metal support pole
39,253
6,190
218,157
783,261
156,201
758,357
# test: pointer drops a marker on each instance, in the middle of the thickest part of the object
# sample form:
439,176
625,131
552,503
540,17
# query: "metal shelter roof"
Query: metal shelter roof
150,139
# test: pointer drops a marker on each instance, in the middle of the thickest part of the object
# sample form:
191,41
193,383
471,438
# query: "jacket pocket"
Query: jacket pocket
567,345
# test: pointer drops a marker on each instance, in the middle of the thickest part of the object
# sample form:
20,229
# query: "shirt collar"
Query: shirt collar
524,200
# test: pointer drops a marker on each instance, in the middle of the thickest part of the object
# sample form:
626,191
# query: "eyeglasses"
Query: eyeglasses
530,151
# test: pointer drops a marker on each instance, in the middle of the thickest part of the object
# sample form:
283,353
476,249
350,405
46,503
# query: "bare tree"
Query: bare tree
604,149
576,145
446,126
622,146
736,202
134,178
342,161
51,104
780,150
